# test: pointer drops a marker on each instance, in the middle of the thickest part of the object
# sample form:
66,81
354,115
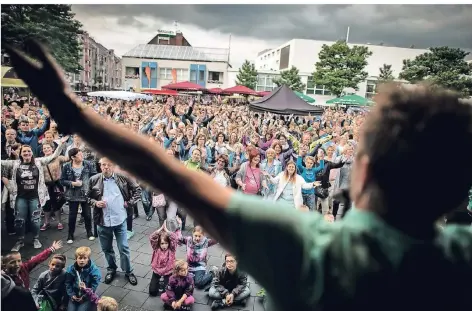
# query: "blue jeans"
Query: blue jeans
75,306
23,208
105,235
202,278
309,200
214,294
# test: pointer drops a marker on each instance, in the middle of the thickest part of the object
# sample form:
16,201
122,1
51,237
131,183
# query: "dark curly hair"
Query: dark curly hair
402,134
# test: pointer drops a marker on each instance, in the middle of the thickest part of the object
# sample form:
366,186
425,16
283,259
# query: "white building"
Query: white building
303,54
161,62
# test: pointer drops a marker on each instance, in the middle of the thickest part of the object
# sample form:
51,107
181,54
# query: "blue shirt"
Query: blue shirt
114,214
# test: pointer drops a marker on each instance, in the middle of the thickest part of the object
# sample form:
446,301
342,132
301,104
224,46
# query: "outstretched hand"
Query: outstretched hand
45,79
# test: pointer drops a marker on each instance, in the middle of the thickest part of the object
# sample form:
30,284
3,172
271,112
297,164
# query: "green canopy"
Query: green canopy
350,100
306,98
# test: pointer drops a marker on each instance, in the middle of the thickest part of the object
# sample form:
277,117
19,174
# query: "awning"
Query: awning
160,92
239,89
215,90
306,98
189,86
350,100
10,79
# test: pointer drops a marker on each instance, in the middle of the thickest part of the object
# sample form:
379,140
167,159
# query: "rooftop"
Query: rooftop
173,52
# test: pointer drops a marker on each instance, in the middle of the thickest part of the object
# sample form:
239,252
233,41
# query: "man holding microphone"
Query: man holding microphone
110,194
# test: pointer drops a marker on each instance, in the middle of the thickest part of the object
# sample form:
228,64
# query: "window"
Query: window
265,83
182,74
371,89
132,72
193,76
201,75
165,73
312,88
214,76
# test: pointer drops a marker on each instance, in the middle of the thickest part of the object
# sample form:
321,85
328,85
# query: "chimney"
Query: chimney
179,39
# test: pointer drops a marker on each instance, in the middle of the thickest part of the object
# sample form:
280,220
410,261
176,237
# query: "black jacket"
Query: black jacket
323,175
129,189
227,283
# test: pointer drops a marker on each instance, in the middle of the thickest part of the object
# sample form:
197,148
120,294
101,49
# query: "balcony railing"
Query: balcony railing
215,81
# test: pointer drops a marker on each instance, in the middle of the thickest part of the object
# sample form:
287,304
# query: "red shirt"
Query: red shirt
22,278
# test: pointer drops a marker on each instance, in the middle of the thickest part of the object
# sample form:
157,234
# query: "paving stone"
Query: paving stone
116,292
133,245
142,283
135,299
153,304
120,280
139,228
141,270
144,259
102,287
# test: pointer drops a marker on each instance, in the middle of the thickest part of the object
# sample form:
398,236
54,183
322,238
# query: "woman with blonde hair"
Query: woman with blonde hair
290,185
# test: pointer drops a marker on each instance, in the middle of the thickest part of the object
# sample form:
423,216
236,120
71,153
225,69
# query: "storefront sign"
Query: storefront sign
169,33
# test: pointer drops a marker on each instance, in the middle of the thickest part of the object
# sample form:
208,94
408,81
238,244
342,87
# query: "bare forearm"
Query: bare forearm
204,199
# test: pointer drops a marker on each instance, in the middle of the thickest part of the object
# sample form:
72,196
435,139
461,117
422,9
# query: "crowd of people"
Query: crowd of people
299,161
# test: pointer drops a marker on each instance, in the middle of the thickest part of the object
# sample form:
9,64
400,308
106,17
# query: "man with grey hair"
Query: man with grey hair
111,194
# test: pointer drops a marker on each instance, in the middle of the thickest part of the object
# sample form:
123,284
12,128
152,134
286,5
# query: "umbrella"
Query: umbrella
239,89
306,98
160,92
123,95
352,100
10,79
215,90
189,86
263,93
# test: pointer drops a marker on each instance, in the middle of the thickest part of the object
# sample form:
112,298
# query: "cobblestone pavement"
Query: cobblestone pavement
130,298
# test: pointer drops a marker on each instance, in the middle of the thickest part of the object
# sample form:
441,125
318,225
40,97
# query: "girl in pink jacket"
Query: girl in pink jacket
164,245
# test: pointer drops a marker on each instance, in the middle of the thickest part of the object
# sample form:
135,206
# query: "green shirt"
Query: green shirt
359,263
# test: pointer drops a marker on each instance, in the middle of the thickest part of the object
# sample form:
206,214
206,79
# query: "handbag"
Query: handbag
259,188
321,192
158,201
58,191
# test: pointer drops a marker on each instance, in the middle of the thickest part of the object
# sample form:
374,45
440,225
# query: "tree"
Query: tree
52,24
291,79
340,66
247,75
386,73
441,66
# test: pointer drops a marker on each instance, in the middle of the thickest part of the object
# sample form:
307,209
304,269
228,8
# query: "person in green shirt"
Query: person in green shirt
386,253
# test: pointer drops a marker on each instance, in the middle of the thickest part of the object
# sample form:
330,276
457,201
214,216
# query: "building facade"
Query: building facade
169,58
303,54
101,68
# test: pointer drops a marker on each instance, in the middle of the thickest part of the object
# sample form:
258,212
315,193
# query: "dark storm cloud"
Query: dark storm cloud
398,25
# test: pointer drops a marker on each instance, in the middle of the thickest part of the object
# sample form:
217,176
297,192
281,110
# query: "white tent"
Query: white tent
123,95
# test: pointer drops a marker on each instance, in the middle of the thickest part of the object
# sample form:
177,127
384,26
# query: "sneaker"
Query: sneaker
60,226
91,237
45,227
19,244
217,304
37,244
80,210
243,302
70,239
129,234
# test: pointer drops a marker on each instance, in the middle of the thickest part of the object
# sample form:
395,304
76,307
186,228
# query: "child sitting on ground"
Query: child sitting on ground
102,303
164,245
82,270
49,292
18,271
179,291
197,253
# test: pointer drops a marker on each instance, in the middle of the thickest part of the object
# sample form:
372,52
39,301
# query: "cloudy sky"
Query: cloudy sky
257,27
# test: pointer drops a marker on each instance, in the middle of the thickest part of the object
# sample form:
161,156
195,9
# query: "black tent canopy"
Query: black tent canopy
284,101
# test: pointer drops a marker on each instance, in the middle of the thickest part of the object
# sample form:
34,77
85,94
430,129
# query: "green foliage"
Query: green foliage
340,66
386,74
247,75
52,24
441,66
291,79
